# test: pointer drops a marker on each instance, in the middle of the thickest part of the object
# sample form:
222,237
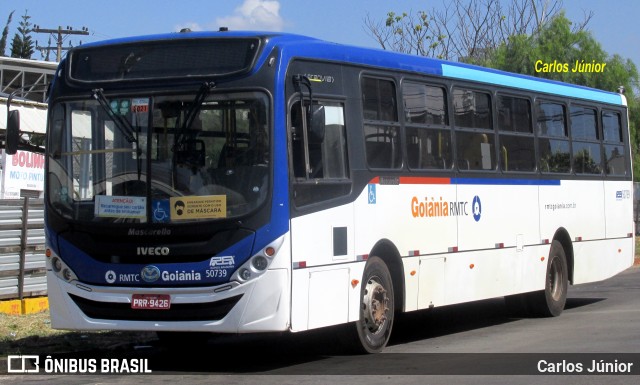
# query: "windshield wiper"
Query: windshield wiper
180,147
122,124
204,90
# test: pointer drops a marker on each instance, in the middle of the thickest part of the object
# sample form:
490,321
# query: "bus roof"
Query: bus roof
298,46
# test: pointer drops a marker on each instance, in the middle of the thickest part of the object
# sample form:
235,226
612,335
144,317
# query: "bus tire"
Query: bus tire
376,307
550,302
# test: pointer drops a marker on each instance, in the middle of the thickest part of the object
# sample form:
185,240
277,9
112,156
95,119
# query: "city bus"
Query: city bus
239,182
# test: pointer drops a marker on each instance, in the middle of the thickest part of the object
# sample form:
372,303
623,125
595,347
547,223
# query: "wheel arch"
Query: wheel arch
562,236
388,252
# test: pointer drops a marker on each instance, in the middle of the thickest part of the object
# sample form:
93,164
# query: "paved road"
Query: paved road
601,322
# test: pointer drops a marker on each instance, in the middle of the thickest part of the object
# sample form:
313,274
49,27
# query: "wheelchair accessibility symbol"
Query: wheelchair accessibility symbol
372,194
161,211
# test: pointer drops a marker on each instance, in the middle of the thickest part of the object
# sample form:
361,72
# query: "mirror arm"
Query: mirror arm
298,81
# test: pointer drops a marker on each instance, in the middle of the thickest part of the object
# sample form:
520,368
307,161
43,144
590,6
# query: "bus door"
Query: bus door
321,224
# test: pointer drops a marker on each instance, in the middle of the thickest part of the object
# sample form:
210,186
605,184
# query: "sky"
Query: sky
615,24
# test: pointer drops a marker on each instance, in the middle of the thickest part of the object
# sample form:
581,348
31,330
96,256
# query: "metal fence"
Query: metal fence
22,259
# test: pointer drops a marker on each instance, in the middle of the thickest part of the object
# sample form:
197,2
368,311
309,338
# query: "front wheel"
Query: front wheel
376,307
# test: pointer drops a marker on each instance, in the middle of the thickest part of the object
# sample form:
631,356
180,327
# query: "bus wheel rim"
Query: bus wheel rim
375,305
555,276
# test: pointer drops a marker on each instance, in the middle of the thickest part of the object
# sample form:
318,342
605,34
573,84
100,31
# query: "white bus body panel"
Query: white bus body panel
618,205
322,280
456,255
570,206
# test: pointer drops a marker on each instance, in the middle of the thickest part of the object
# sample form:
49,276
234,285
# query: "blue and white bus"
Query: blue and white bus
236,182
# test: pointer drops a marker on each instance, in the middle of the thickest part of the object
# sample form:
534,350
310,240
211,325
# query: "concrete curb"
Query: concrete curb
25,306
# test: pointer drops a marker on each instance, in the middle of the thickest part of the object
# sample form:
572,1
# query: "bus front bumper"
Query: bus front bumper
259,305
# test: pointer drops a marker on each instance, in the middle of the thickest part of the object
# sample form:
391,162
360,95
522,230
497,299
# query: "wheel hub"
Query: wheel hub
555,274
375,305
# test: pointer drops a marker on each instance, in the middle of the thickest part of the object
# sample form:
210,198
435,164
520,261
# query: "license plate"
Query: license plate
151,301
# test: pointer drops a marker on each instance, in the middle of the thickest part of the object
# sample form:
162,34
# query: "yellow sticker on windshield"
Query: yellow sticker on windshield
198,207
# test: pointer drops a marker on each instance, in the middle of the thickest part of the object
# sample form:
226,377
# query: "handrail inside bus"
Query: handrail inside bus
104,151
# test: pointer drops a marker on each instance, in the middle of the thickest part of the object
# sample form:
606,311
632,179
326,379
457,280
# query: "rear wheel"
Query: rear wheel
549,302
376,307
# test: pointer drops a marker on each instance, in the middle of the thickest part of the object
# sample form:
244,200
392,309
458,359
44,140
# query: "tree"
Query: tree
5,34
464,30
557,42
408,33
22,44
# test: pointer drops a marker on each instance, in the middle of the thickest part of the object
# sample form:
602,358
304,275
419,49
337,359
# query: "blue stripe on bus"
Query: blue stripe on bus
527,83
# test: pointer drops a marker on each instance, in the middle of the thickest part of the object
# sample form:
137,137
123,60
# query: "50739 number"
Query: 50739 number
220,273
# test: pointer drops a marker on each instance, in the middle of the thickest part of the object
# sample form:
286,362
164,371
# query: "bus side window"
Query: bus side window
474,130
615,159
327,156
517,150
334,146
381,128
587,157
553,142
427,135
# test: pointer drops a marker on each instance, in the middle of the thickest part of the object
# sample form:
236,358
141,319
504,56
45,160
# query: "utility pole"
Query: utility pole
59,34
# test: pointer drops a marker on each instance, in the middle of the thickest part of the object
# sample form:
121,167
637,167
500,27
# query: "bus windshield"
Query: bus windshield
159,159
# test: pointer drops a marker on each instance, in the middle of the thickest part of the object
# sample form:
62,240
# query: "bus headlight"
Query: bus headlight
245,274
56,264
258,263
61,270
67,274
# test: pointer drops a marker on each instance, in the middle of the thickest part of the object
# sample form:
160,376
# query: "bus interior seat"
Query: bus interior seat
380,150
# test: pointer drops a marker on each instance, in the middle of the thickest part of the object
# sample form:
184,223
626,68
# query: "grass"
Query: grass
31,333
27,334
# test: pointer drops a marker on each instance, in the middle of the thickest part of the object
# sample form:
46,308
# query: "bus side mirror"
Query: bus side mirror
13,132
317,124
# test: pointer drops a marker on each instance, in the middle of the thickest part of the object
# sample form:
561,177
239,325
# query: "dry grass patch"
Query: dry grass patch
32,334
